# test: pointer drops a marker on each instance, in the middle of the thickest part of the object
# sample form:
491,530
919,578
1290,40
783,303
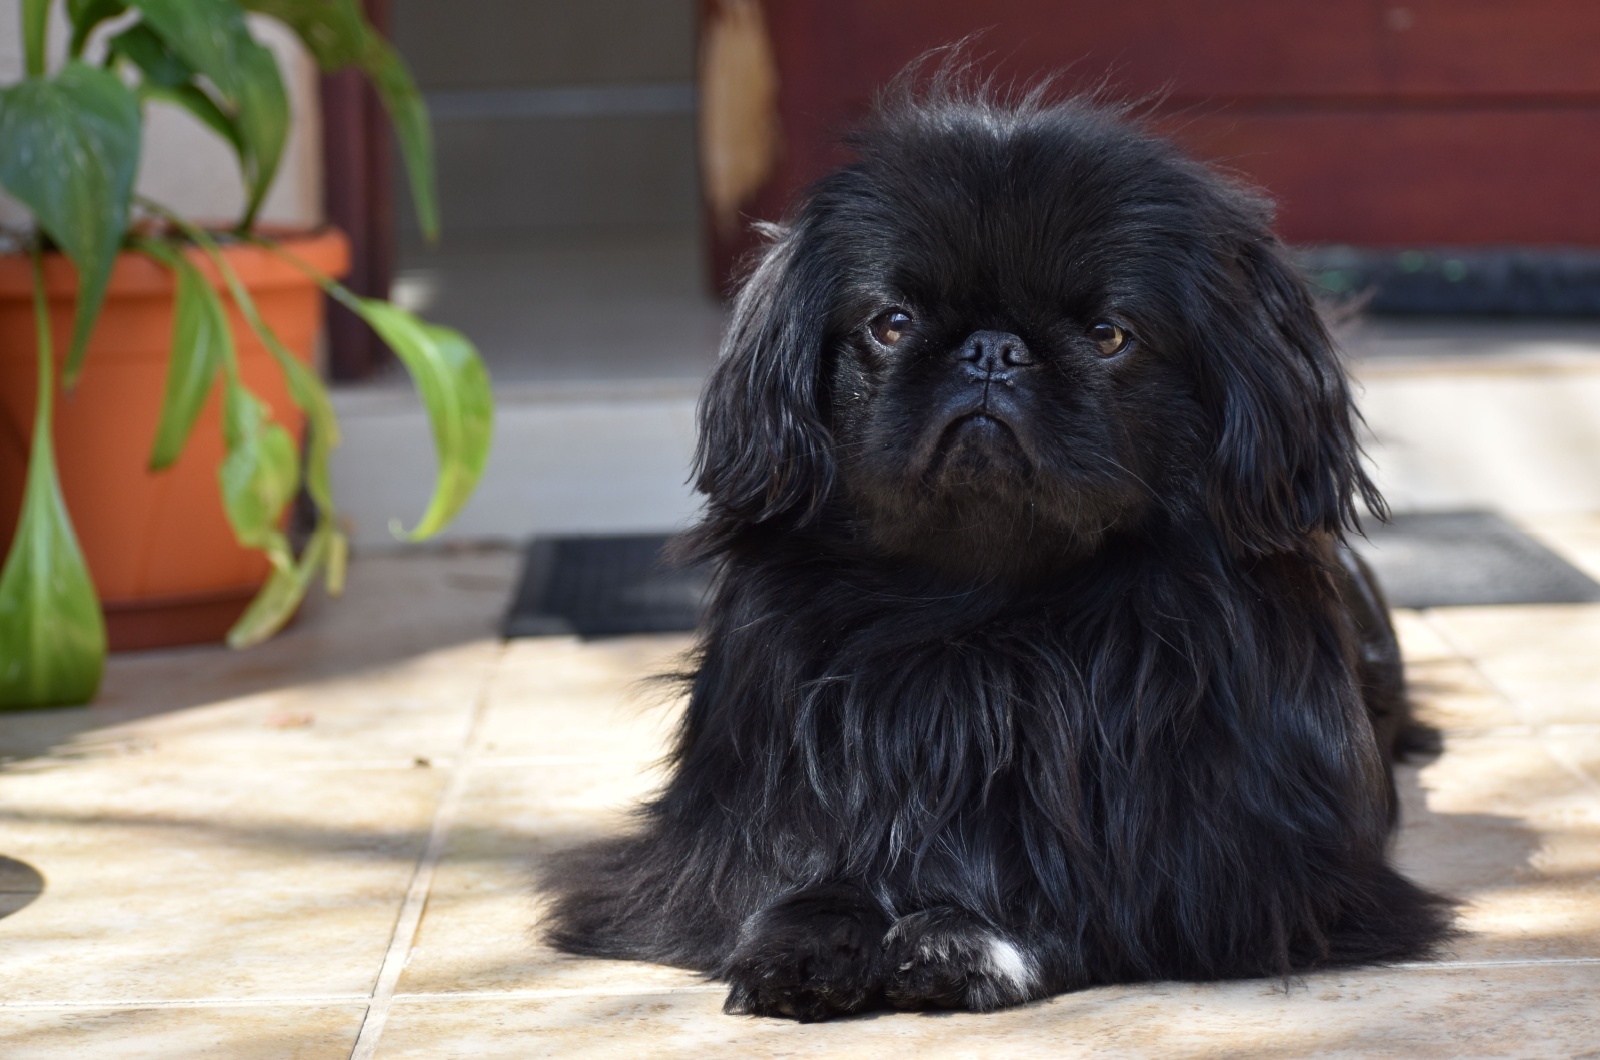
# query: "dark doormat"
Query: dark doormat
1498,281
612,586
603,587
1446,559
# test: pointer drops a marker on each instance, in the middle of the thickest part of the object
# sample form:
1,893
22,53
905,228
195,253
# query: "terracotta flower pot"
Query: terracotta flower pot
158,544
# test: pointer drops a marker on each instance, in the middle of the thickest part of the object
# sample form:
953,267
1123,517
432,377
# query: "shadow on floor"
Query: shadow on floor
20,884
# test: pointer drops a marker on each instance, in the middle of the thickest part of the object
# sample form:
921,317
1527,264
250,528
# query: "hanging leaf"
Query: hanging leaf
338,562
167,78
409,116
309,395
455,391
50,619
338,35
260,469
201,345
69,149
334,31
211,36
277,600
85,15
259,475
192,99
144,48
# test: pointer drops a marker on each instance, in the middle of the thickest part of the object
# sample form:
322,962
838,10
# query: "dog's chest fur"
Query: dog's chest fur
980,740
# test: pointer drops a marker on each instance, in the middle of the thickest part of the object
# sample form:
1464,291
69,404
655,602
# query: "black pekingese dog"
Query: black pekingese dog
1036,659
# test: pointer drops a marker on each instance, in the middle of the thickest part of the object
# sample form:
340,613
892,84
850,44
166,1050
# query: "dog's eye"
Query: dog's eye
890,326
1110,339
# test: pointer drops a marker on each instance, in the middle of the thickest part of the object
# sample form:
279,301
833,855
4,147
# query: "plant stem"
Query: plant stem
35,35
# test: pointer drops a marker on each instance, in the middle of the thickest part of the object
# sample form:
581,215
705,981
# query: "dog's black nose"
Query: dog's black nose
991,352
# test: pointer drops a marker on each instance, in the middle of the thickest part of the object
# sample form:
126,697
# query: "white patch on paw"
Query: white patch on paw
1004,961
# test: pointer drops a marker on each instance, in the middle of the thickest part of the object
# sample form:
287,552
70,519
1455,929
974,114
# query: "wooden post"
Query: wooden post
358,198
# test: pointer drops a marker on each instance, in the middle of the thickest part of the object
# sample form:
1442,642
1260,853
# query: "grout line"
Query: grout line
416,900
1540,733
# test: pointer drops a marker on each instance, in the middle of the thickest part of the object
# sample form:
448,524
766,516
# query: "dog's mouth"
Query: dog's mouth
977,441
982,428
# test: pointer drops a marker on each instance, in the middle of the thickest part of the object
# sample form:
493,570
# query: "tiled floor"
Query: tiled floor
323,848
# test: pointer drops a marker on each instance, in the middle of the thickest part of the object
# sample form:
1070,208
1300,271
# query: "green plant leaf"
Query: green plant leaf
50,619
259,475
213,38
305,388
307,391
334,31
194,100
169,79
144,48
328,547
409,115
277,600
338,562
455,391
337,34
69,150
85,15
202,345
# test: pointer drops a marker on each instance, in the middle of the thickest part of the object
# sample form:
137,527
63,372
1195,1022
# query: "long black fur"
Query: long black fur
1020,678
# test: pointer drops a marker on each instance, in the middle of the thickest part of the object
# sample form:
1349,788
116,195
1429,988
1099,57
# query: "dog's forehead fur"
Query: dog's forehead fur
981,208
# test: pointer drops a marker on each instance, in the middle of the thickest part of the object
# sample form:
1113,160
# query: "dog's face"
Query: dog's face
998,386
1003,335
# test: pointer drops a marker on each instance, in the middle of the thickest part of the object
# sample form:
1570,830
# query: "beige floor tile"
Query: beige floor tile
1545,658
1578,750
1503,1012
1523,632
389,671
1568,703
289,1032
1452,695
480,928
558,697
1499,824
393,714
207,883
1419,641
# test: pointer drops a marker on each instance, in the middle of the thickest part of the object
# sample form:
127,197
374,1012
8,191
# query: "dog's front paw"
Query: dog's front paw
810,957
948,958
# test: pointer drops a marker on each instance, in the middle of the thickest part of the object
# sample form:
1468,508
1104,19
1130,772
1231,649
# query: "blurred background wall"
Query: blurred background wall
556,118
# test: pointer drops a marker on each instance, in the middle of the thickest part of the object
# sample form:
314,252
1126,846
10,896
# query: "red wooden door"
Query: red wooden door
1383,124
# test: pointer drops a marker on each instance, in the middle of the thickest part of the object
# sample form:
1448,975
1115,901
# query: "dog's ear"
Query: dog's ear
1286,461
764,450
